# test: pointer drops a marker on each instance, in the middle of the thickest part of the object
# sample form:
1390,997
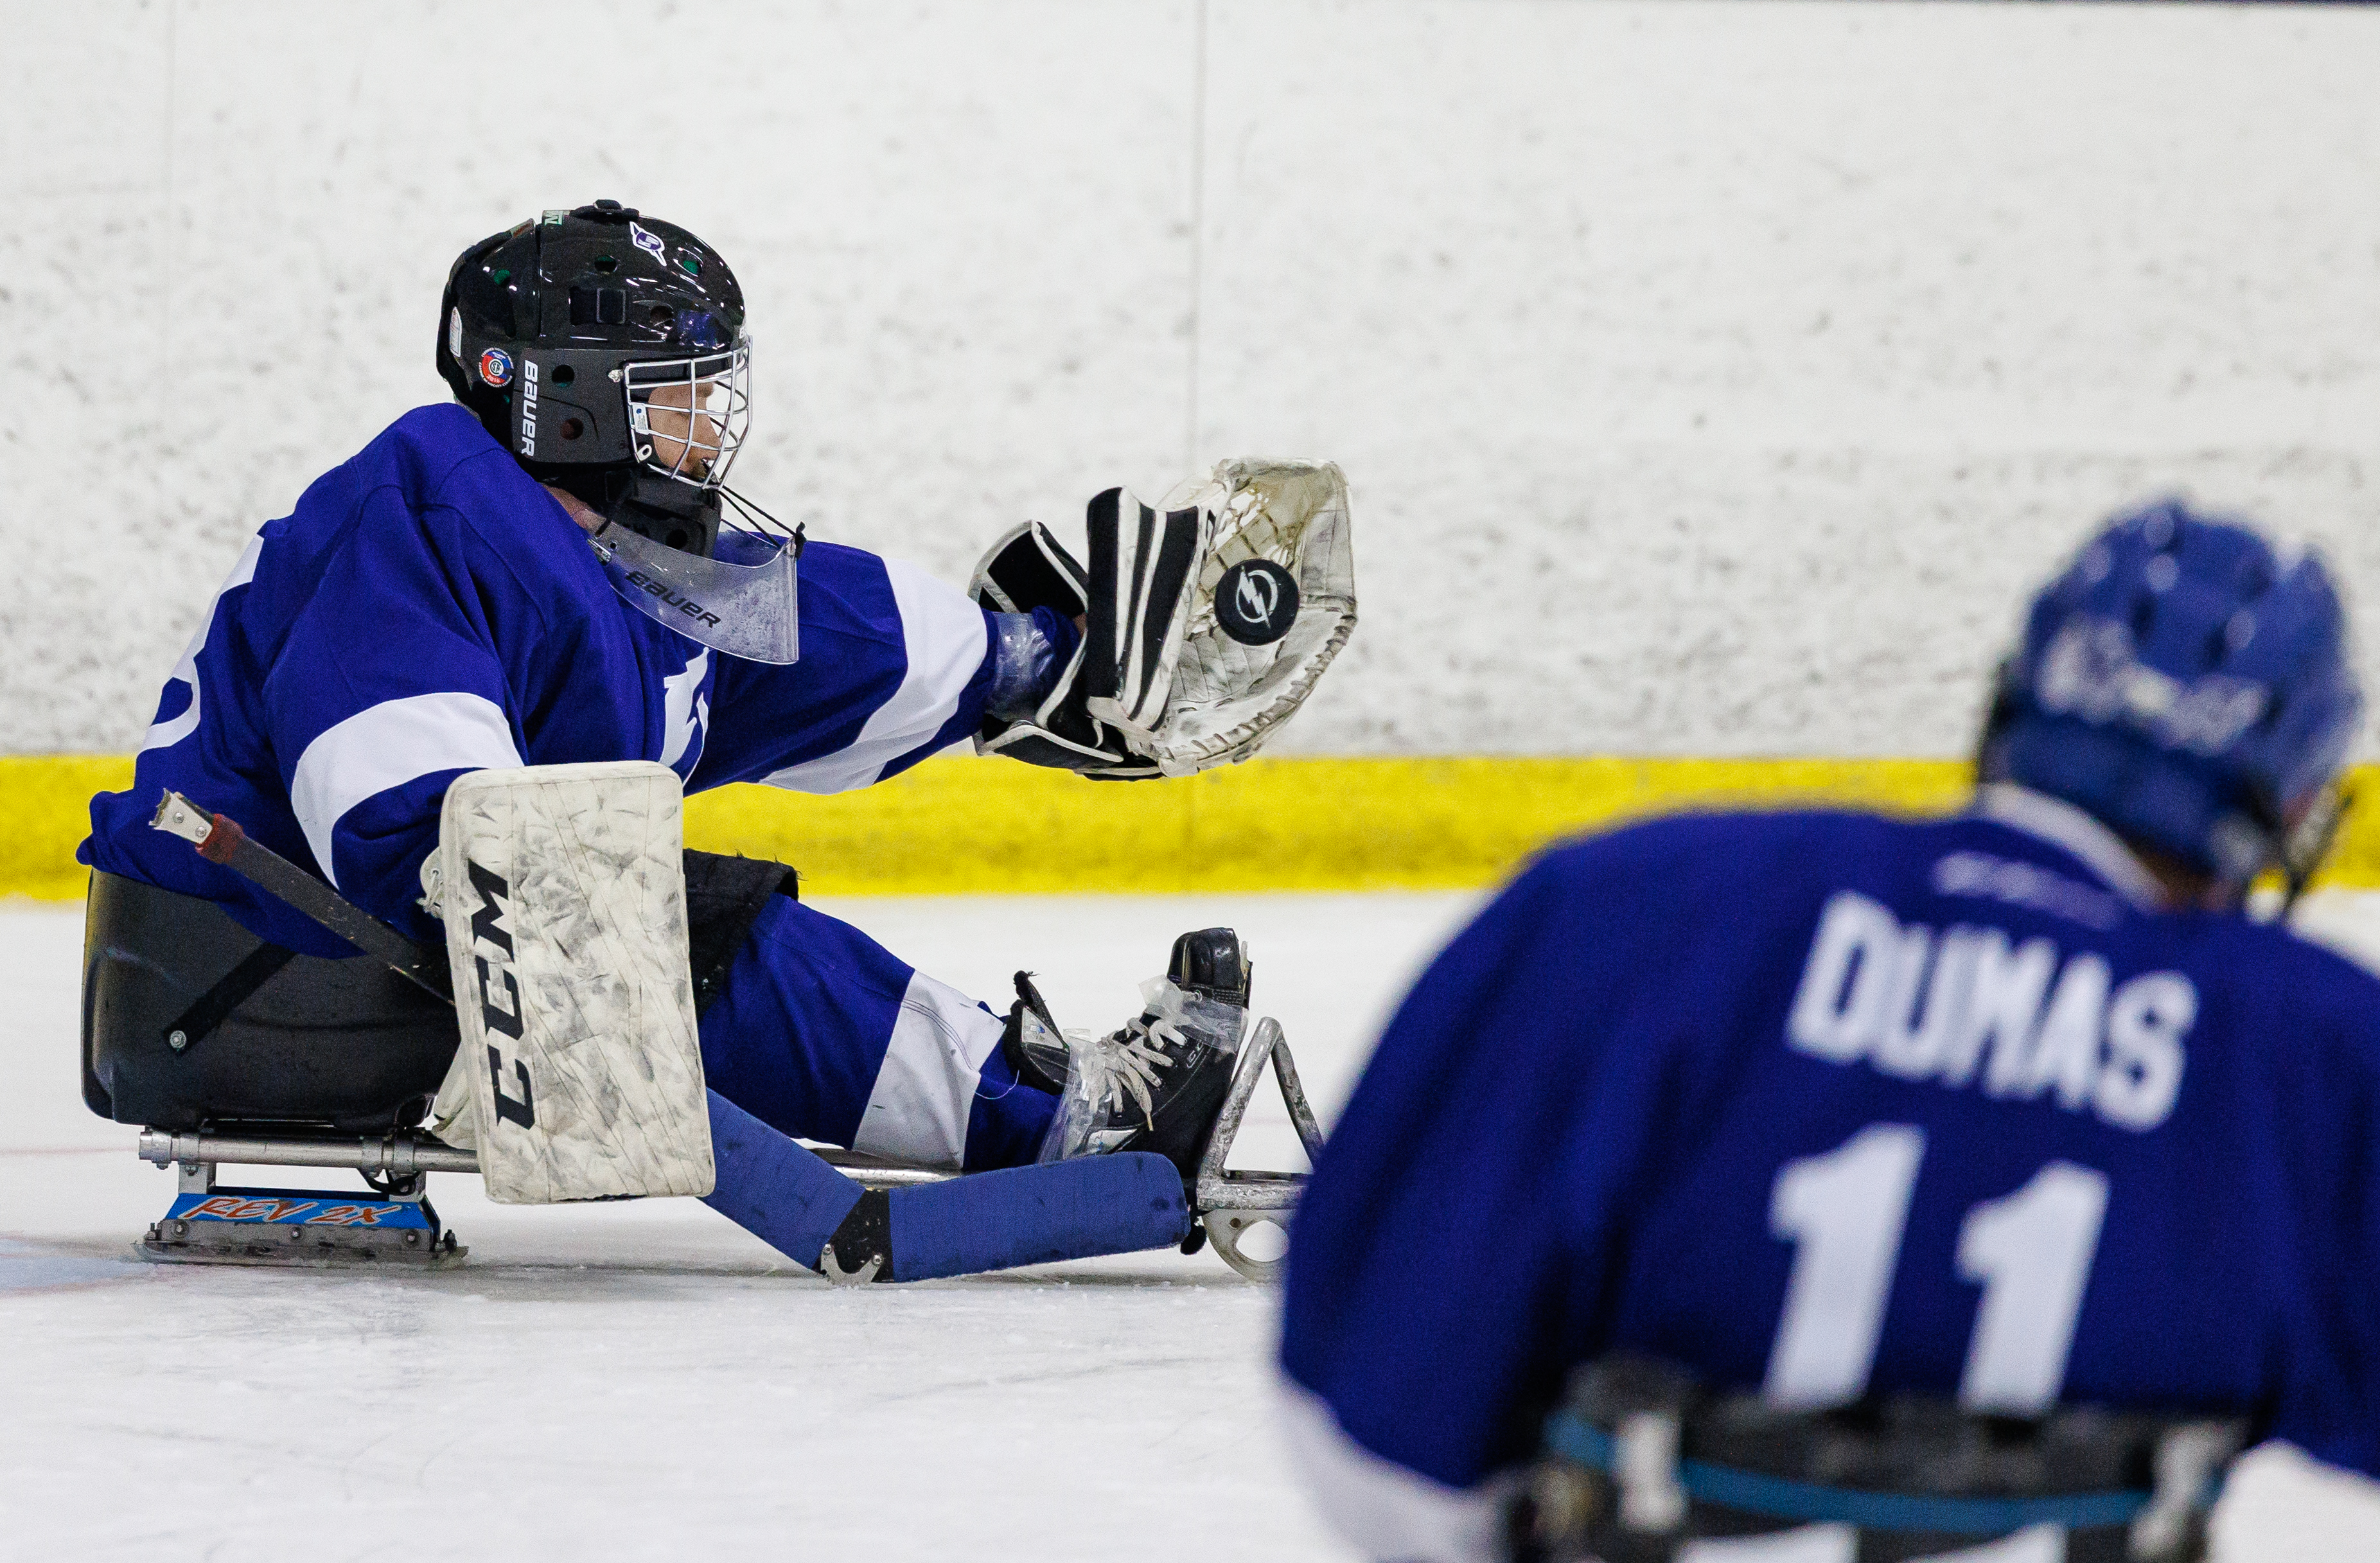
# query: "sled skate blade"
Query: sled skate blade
1255,1242
298,1228
1247,1213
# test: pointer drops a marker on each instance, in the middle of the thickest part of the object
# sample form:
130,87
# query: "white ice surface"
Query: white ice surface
645,1380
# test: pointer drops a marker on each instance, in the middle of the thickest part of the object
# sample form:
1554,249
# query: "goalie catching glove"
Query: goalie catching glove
1206,623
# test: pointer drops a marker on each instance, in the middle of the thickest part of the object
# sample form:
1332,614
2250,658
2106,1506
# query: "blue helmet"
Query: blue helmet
2187,685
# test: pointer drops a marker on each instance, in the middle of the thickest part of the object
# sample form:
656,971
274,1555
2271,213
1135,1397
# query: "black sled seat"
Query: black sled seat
189,1020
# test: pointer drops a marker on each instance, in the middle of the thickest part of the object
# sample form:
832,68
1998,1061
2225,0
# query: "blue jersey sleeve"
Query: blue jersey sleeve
895,665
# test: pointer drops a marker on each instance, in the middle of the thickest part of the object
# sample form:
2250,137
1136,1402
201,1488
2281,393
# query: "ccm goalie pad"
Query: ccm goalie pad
1207,623
563,896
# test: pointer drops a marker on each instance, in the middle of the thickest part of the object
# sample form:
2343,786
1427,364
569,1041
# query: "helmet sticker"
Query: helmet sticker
496,367
455,334
554,214
647,241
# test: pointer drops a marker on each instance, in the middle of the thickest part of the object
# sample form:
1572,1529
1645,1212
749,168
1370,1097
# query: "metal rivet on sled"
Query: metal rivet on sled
181,1229
413,1240
177,1040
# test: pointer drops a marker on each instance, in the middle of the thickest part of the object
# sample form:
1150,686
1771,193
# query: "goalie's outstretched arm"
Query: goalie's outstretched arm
895,665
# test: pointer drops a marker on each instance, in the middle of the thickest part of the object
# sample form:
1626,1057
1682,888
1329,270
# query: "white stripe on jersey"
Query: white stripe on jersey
165,735
2061,824
387,745
1385,1509
925,1088
943,632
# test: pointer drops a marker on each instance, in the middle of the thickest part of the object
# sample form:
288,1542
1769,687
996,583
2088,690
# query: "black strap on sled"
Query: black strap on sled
1639,1461
211,1008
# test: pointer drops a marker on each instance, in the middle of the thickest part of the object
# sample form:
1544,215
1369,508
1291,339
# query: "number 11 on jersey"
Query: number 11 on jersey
1845,1212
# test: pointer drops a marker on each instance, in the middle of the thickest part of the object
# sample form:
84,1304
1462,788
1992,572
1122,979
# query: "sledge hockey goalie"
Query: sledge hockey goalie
538,613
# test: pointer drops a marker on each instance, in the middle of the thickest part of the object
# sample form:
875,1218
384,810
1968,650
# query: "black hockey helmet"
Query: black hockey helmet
606,350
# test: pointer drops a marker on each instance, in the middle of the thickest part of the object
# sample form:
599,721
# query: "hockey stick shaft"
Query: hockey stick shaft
220,840
767,1183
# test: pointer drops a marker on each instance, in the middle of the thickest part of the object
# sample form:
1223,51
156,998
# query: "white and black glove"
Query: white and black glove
1207,623
1029,569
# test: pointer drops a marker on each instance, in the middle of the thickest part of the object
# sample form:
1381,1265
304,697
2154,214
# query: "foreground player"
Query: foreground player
433,607
2016,1109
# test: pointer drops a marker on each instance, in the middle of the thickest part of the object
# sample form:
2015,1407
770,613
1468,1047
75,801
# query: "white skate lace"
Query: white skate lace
1137,1054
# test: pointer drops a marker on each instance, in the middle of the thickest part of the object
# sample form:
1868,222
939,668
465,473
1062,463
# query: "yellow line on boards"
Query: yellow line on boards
47,803
961,824
965,824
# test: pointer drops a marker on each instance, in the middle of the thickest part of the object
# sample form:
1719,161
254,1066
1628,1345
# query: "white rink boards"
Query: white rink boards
646,1381
1710,377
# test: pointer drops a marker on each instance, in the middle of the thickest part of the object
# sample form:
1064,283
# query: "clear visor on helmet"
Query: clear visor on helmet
744,601
689,416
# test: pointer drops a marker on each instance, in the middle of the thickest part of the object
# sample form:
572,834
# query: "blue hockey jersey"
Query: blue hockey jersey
428,610
1824,1103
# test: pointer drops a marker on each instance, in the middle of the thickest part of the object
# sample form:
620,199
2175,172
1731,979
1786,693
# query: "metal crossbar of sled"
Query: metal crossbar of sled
230,1052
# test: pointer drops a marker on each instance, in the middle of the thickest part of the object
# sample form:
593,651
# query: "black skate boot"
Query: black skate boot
1157,1084
1034,1047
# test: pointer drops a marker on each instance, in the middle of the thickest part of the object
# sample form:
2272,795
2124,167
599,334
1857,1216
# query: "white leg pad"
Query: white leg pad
563,891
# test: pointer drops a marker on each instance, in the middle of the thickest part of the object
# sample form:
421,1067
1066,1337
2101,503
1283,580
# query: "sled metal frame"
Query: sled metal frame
404,1154
1231,1204
398,1165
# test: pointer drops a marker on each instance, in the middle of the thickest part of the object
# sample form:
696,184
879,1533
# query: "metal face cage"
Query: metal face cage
687,417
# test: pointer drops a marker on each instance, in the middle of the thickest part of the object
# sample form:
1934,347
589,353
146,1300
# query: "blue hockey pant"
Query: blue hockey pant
823,1033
